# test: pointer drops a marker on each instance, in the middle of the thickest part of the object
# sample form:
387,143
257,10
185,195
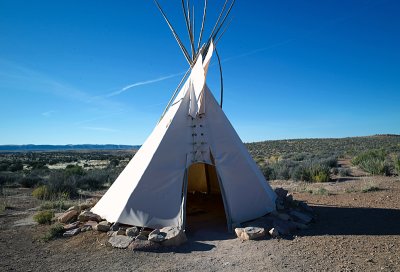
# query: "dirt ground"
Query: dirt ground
358,229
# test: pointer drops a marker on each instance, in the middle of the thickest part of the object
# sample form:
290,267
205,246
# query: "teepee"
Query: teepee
192,148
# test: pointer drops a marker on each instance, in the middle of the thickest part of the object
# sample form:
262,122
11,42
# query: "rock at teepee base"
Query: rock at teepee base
250,233
120,241
72,232
174,236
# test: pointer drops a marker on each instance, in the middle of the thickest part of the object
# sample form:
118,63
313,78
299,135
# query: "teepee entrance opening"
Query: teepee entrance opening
205,205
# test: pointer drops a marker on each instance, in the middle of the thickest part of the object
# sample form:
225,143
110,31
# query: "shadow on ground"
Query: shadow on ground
334,220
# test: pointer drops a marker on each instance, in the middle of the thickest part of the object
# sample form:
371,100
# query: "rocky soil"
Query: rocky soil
358,229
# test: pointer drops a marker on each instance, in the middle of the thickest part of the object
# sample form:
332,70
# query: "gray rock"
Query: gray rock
91,224
89,216
87,228
120,241
301,217
249,233
273,232
265,222
121,231
68,216
115,226
143,235
143,245
103,226
74,208
284,227
72,232
289,198
132,232
175,236
157,236
71,226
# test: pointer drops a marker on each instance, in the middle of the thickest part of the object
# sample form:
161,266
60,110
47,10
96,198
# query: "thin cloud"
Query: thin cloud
48,113
18,75
142,83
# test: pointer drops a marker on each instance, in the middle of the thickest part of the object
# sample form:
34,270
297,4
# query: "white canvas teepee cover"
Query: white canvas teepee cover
149,191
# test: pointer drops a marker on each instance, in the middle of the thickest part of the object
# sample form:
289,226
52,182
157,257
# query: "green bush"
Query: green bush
55,231
319,173
74,170
30,181
397,165
373,162
43,217
41,192
60,183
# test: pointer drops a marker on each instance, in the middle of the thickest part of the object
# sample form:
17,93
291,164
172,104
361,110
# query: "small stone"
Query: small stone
250,233
71,226
67,216
72,232
121,231
289,197
91,224
143,245
87,228
174,236
103,226
273,232
143,235
89,216
157,236
284,227
120,241
132,232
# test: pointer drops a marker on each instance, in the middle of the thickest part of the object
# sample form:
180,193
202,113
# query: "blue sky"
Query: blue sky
292,69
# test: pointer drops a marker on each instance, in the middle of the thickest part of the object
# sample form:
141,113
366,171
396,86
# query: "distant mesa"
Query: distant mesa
32,147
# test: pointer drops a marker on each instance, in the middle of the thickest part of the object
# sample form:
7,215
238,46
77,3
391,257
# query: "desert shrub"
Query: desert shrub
373,162
113,163
93,180
41,192
3,166
301,172
44,217
370,187
15,166
55,231
330,161
37,165
282,170
268,172
74,170
58,204
319,173
60,183
396,164
320,191
30,181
